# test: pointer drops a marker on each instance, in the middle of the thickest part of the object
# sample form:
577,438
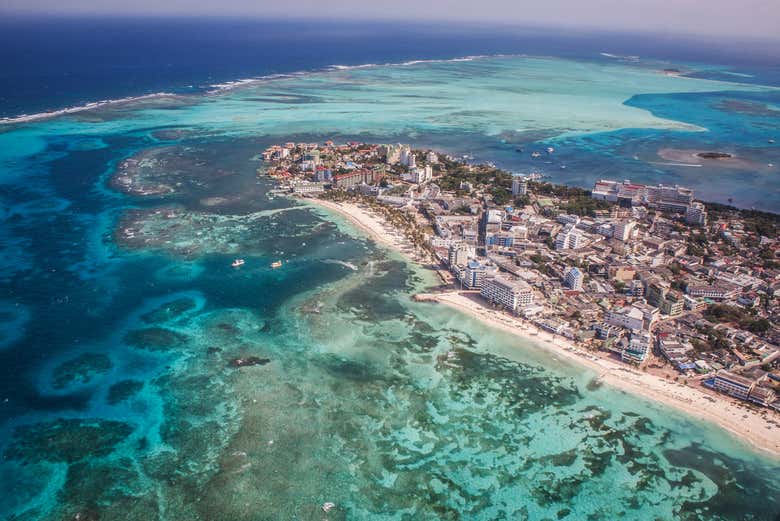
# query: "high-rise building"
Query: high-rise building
568,239
407,156
519,185
510,293
474,275
422,174
460,253
696,214
573,279
623,230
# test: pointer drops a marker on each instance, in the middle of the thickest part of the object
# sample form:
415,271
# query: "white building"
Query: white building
475,274
460,253
638,348
306,187
407,156
628,317
566,219
519,185
422,175
623,230
512,294
574,278
696,214
568,239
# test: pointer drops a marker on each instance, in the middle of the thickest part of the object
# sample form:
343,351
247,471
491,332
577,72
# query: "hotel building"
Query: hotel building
512,294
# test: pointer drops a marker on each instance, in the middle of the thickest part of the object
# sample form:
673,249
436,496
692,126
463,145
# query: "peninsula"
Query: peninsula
664,296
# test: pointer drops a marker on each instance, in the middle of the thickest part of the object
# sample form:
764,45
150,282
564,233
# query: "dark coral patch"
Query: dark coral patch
155,338
80,370
66,440
123,390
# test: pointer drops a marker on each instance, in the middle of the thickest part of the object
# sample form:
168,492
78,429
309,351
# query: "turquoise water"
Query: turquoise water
120,316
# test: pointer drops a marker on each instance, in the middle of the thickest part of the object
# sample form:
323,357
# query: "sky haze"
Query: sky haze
747,18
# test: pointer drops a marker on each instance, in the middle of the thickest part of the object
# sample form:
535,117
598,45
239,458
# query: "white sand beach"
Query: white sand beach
760,428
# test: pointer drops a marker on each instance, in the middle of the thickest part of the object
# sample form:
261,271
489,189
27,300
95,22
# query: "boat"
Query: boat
238,262
550,150
518,149
276,264
536,154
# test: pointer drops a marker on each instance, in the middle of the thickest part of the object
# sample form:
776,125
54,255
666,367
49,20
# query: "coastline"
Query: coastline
742,422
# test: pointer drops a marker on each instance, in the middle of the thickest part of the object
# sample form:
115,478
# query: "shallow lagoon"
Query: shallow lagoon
129,343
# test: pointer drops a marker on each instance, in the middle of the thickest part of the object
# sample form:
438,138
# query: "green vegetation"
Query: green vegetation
756,221
723,313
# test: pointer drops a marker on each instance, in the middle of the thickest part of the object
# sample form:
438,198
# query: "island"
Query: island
666,296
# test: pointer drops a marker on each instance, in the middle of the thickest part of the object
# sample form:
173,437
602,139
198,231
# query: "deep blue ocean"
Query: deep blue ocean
52,63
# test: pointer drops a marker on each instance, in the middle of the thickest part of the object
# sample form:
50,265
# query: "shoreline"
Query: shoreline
740,421
743,423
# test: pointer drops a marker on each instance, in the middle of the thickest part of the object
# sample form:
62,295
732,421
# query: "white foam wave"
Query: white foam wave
218,88
341,263
25,118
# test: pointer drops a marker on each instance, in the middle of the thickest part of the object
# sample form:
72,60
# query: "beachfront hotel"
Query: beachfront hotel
511,294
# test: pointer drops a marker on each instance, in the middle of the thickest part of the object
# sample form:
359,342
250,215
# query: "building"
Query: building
672,304
407,157
733,384
625,194
568,239
474,275
628,317
305,187
638,348
421,174
696,214
762,395
574,278
656,290
510,293
714,292
393,153
670,198
519,185
677,353
665,198
649,314
355,178
623,230
431,158
323,174
460,253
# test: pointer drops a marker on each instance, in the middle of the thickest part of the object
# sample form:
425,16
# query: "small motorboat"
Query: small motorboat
328,506
238,262
276,264
536,154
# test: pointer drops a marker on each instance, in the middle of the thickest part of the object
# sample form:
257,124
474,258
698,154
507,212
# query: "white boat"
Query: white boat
276,264
550,150
238,262
536,154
